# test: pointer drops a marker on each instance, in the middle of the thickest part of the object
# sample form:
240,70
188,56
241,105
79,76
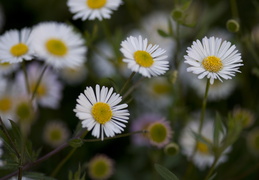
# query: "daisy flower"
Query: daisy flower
204,156
55,133
58,45
213,58
8,68
93,9
49,91
147,59
15,46
100,111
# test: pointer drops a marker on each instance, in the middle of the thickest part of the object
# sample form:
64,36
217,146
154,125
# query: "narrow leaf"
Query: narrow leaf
165,173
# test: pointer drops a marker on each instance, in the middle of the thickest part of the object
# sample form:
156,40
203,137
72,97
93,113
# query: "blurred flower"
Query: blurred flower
100,167
100,111
147,59
73,76
58,45
93,9
49,91
7,68
213,59
158,130
55,133
15,46
171,149
159,133
204,156
157,92
245,116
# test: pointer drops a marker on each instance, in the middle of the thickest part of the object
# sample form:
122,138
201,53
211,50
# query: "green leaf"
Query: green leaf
75,143
165,173
162,33
218,130
186,5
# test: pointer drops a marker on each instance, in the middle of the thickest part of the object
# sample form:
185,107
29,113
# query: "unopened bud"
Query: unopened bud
232,25
171,149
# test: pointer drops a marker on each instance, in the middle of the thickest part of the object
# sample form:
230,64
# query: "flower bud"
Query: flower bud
232,25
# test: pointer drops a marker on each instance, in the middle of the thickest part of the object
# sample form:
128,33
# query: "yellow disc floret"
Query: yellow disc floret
101,112
212,64
56,47
143,58
157,132
5,104
202,148
19,49
96,4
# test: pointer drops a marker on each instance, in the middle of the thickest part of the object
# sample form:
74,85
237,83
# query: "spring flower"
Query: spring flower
15,46
245,116
158,130
7,68
55,133
213,58
100,111
93,9
58,45
204,156
49,91
146,59
253,141
100,167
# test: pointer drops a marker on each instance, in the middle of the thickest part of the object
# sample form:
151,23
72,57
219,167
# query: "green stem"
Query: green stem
127,83
211,170
38,82
26,77
132,88
204,103
115,137
234,10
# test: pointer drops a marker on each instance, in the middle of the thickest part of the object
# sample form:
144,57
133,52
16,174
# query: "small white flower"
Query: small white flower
147,59
15,46
49,91
100,111
93,9
204,156
58,45
213,58
8,68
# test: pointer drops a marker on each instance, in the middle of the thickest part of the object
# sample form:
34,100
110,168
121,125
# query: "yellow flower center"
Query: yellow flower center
157,132
160,88
24,111
102,112
203,148
96,4
212,64
41,89
55,135
19,49
5,64
56,47
99,169
5,104
143,58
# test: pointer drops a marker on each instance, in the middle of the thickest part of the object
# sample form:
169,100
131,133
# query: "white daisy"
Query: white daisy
147,59
204,156
7,68
100,111
49,91
93,9
59,45
213,58
15,46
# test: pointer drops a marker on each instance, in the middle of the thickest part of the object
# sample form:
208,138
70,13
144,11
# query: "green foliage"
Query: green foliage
78,175
165,173
38,176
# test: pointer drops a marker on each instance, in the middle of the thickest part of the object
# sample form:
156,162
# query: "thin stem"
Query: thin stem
234,10
204,103
133,87
127,82
211,170
26,77
38,82
116,137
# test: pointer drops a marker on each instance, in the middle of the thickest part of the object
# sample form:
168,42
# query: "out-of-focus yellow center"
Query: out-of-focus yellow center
157,132
212,64
19,49
41,89
56,47
5,104
202,148
96,4
143,58
101,112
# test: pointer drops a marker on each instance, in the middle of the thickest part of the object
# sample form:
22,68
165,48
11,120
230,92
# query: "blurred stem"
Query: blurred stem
38,82
127,82
133,87
250,48
211,170
26,77
177,37
234,10
204,104
116,137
